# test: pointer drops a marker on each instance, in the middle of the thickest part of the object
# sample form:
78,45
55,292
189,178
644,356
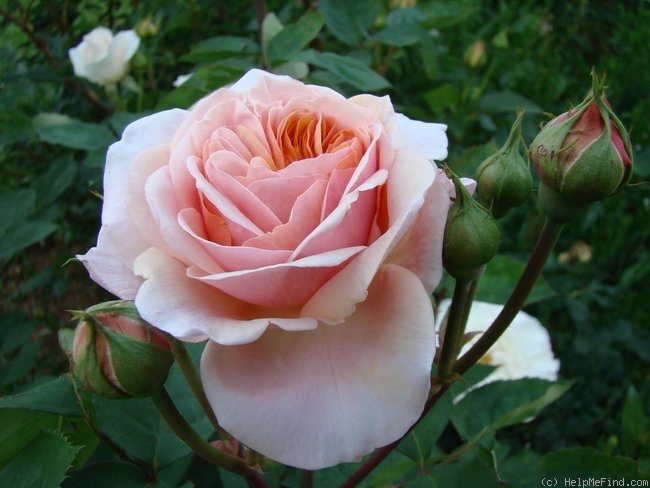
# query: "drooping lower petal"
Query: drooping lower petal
316,398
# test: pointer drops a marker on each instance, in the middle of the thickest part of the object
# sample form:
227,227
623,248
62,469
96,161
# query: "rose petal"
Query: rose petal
195,311
282,285
420,250
426,139
408,183
110,263
318,398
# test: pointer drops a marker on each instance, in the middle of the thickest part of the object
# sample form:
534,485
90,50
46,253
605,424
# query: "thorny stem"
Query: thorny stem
545,243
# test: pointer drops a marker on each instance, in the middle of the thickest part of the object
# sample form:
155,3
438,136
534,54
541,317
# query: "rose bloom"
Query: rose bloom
523,350
102,58
300,234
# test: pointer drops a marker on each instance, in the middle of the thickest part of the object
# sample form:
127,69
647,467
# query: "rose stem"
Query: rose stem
455,328
200,446
194,381
306,478
545,243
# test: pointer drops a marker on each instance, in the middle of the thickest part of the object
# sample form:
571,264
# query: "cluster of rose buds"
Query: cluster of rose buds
581,156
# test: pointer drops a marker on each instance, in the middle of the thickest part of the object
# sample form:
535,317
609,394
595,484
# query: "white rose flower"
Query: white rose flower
103,58
523,351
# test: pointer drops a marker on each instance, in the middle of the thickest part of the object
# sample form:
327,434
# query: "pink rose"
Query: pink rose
300,233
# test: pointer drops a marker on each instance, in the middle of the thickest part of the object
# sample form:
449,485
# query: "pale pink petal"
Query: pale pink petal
165,211
305,216
280,194
283,285
426,139
229,258
381,108
240,225
110,269
120,240
408,183
193,311
245,200
350,222
420,250
139,135
318,398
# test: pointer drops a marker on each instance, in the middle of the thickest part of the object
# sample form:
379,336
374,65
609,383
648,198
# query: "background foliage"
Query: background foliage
468,63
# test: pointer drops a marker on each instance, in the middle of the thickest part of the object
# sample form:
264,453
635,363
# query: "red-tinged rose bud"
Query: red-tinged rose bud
504,179
115,353
471,236
581,156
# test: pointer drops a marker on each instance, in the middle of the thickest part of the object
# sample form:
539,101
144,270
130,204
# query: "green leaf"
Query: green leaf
106,474
138,428
24,235
471,158
442,97
18,367
506,102
634,422
441,14
56,396
41,464
16,127
471,473
348,70
579,465
18,428
503,403
15,207
217,48
293,38
271,26
418,445
500,277
50,184
349,20
76,135
401,35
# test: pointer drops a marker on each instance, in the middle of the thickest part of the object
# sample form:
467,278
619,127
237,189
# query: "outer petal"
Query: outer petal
317,398
426,139
421,249
120,242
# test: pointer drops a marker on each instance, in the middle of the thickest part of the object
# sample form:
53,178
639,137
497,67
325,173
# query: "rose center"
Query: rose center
304,135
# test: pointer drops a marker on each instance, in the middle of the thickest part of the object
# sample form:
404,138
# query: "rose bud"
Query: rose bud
581,156
504,179
475,56
115,353
471,236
